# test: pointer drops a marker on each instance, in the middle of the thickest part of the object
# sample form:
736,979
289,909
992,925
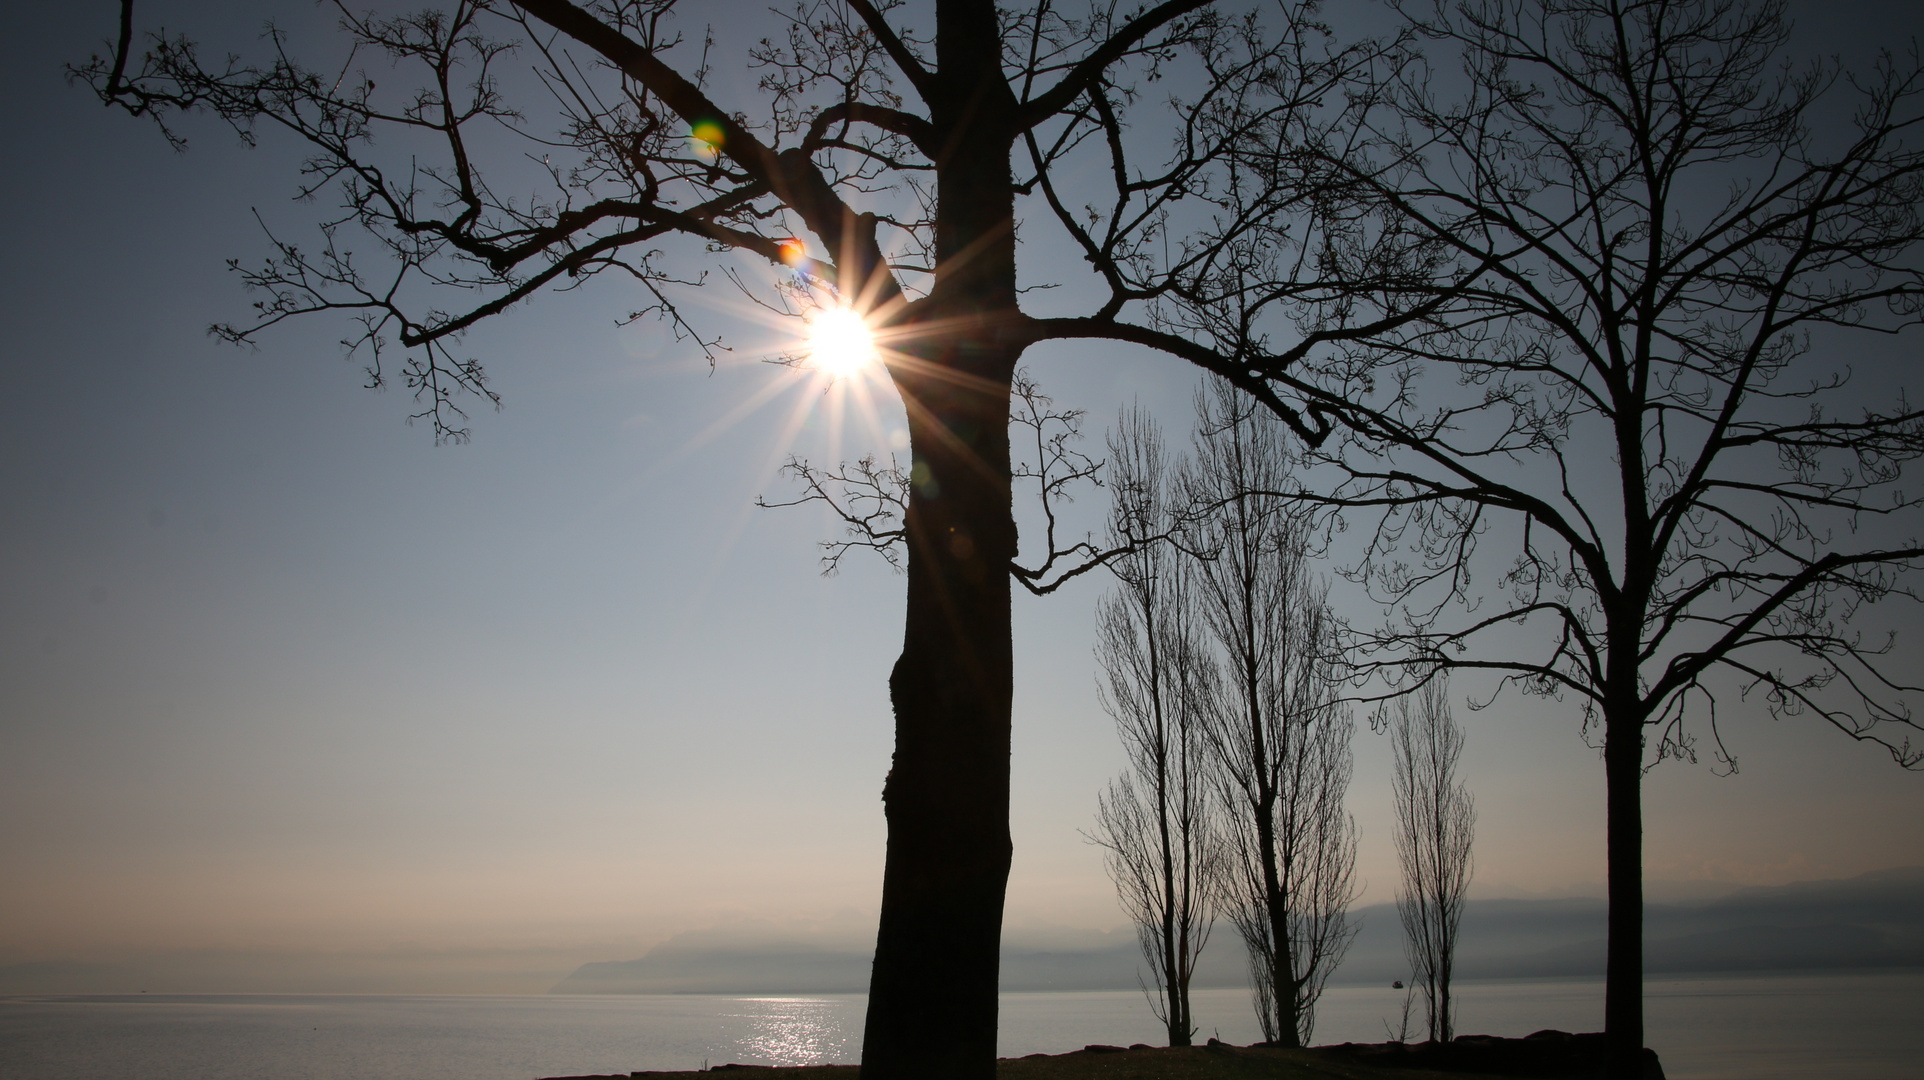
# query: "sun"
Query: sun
839,342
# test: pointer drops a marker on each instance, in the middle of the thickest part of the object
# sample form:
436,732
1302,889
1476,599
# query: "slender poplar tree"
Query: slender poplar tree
1435,831
1278,732
1157,821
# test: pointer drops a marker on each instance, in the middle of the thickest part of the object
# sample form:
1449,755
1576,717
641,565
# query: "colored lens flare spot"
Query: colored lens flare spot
706,138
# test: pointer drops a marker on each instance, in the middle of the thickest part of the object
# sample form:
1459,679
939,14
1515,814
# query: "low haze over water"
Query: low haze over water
1846,1027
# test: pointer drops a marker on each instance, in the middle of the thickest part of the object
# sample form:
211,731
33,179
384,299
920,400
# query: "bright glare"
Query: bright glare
839,342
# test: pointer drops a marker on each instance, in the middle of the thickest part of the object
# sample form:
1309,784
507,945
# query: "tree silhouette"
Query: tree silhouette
881,164
1278,729
1158,821
1435,831
1638,254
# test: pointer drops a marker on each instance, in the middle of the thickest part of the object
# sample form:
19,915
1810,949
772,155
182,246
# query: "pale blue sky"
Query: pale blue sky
278,674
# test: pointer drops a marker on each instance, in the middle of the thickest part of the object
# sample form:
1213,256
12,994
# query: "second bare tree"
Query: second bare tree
1279,734
1435,829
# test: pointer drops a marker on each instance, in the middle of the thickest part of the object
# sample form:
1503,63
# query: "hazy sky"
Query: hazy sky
278,675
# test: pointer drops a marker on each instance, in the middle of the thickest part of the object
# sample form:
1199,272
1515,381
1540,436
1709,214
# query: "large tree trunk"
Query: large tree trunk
932,997
932,1000
1623,971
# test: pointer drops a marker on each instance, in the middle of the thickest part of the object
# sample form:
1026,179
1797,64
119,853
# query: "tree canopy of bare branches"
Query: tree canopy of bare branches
877,163
1592,368
1435,832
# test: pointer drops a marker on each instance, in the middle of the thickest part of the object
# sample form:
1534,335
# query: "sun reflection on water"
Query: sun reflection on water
794,1031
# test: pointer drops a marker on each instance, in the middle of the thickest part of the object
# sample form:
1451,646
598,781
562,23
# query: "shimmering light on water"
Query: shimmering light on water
797,1031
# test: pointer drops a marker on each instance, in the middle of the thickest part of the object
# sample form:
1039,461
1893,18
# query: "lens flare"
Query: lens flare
705,139
839,342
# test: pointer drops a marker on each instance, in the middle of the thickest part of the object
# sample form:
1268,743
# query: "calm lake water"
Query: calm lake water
1848,1027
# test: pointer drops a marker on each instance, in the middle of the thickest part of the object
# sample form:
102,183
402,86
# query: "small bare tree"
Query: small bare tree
1278,732
1435,829
1156,820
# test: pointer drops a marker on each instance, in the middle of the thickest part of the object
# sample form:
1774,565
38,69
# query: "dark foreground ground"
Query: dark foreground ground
1550,1055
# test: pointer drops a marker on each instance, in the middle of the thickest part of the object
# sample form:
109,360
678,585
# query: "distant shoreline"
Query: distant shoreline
1873,922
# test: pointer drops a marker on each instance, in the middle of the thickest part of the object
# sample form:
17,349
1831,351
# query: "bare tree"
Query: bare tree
1610,397
876,164
1156,820
1435,830
1278,730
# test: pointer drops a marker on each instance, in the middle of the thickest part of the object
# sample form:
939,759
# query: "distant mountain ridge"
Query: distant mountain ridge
1874,920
